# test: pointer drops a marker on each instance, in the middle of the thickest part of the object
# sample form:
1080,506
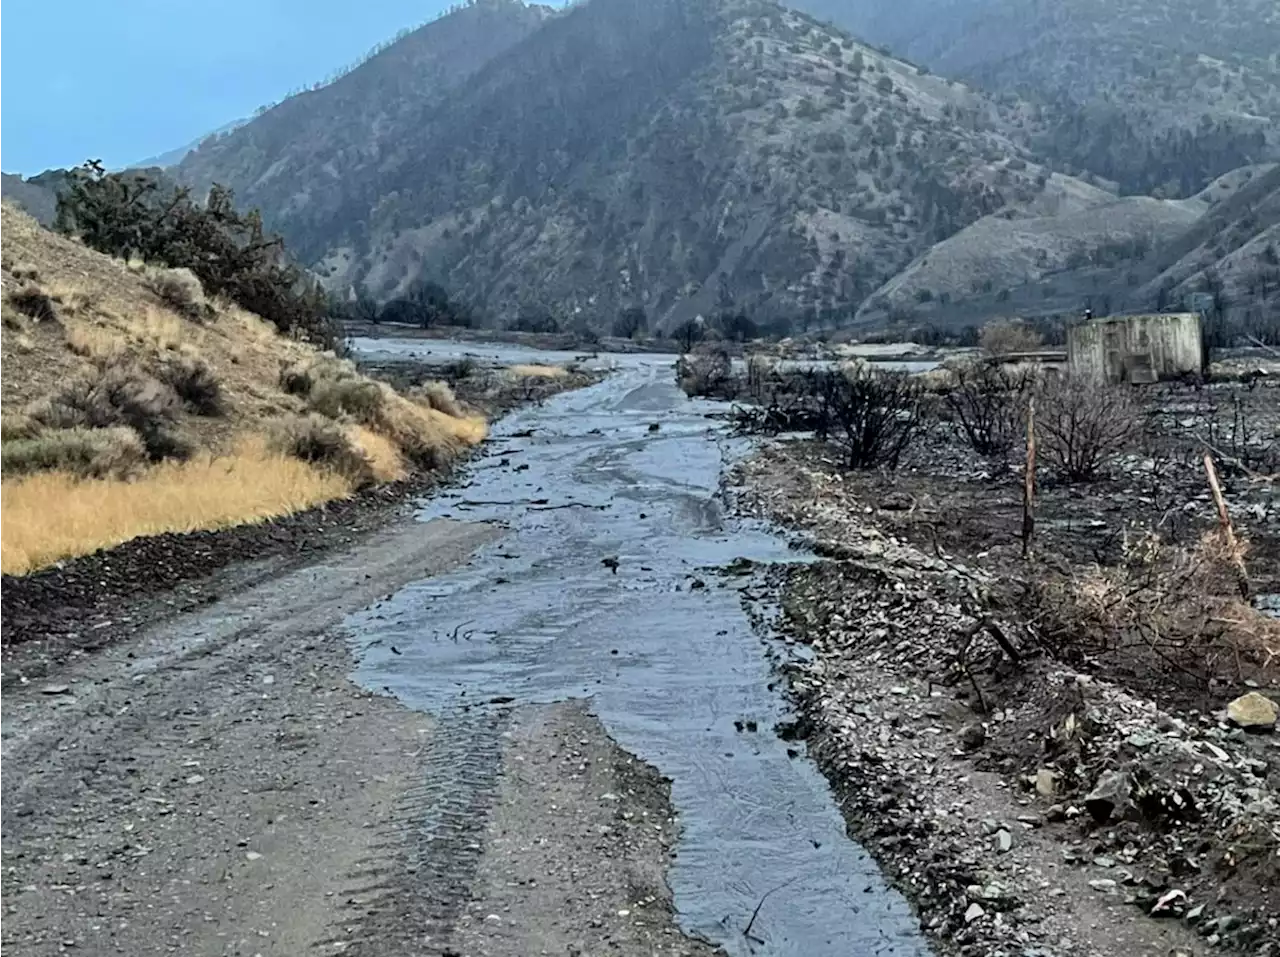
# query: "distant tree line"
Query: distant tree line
423,303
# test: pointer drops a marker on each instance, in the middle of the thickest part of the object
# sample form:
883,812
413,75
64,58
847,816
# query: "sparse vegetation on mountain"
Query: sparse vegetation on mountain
226,252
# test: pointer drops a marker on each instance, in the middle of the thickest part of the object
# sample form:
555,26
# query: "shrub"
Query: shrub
114,396
459,369
180,290
704,371
1008,335
321,442
873,416
988,402
439,396
18,426
347,395
195,384
116,452
1082,426
30,299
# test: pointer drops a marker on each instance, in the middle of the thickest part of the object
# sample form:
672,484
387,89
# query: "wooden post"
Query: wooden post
1029,481
1224,518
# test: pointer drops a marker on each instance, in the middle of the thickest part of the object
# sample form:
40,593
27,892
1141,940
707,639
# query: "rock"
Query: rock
897,502
56,689
1254,712
973,736
1103,886
1109,794
1004,840
1172,903
973,913
1046,782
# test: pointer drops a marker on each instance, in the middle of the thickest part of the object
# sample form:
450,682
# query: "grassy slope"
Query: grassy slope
107,318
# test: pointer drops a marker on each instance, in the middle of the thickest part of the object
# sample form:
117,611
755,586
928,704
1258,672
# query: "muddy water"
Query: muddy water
660,647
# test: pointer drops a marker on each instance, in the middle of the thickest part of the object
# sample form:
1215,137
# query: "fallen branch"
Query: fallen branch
756,913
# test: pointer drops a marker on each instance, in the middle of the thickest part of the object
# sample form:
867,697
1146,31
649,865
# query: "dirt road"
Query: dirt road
547,668
221,787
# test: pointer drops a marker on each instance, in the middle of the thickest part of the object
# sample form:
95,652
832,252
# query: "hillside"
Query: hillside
31,196
681,156
300,159
132,405
1128,84
1030,254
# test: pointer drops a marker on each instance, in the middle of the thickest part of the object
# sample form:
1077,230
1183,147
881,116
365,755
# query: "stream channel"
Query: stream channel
659,647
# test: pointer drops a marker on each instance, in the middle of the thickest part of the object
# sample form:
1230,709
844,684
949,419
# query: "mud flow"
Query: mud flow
610,587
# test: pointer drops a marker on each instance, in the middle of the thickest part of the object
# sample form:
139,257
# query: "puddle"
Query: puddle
659,646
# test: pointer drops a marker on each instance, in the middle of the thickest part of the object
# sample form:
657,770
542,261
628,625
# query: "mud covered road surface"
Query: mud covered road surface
560,738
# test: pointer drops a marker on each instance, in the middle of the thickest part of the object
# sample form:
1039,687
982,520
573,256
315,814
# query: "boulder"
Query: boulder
1253,712
1110,794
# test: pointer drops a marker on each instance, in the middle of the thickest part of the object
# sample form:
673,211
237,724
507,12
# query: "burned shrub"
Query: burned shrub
31,300
1006,336
872,416
987,403
706,371
1082,426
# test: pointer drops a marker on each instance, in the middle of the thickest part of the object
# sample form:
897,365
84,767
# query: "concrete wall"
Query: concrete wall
1136,349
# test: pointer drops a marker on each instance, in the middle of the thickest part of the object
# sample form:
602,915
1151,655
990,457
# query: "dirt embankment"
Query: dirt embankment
1035,789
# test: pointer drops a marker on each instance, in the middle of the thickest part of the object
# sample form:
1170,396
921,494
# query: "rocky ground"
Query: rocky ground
1030,795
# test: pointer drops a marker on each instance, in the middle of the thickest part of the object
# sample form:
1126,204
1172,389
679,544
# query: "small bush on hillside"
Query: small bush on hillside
1006,336
119,396
30,299
988,403
18,426
359,398
195,384
439,396
180,290
116,452
12,319
1082,426
321,442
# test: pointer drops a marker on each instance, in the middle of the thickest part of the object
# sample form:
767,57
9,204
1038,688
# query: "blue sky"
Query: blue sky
121,82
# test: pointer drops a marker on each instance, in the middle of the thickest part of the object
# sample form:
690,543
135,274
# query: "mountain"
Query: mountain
1199,78
32,196
681,155
175,156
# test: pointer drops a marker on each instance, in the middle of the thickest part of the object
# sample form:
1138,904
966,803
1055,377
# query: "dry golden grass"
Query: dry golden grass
53,515
226,365
525,371
94,341
384,457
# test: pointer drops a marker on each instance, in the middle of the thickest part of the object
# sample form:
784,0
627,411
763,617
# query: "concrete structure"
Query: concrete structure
1136,349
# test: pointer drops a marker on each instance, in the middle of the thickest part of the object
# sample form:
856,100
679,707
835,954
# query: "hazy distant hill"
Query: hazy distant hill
175,156
36,200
